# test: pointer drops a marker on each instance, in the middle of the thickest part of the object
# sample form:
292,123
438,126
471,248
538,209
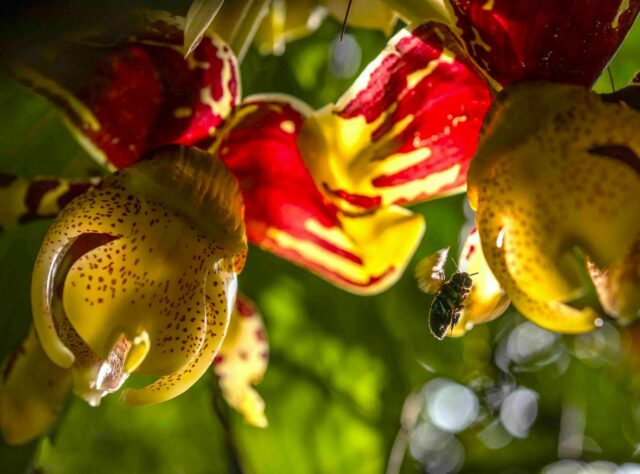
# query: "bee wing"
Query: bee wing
430,271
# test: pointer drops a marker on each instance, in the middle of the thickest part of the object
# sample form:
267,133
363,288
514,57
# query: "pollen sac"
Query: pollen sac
139,275
557,170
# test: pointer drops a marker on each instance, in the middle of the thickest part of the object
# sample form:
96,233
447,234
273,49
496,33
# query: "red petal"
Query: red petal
287,215
563,41
205,86
124,98
407,128
142,94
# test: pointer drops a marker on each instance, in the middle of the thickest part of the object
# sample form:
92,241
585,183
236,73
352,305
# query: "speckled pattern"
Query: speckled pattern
242,361
542,186
220,286
150,273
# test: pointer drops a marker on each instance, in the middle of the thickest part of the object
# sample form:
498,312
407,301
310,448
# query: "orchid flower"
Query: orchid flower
556,166
152,252
408,130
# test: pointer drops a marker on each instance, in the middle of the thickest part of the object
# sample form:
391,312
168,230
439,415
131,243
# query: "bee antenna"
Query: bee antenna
455,263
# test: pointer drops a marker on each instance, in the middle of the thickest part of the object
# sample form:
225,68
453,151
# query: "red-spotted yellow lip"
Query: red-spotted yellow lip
549,178
140,273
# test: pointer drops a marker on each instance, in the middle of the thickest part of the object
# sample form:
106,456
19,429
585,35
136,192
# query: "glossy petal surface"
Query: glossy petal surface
287,215
618,286
242,362
558,169
405,131
32,393
149,248
570,41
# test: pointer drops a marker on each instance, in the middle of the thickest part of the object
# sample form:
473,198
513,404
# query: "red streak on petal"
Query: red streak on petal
446,107
563,41
363,202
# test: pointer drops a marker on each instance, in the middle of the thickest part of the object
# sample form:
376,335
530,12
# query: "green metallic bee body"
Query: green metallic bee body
450,295
447,304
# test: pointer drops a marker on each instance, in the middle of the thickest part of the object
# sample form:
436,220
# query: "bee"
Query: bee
450,295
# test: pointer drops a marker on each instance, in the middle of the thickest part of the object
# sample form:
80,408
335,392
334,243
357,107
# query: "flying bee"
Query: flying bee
450,295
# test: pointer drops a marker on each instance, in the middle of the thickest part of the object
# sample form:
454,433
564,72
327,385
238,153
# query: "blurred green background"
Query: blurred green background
354,384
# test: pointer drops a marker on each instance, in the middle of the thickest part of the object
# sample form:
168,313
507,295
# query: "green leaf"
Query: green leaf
199,18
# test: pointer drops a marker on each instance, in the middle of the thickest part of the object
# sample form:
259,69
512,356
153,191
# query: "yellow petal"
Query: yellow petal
242,362
220,295
24,200
387,240
32,393
548,314
145,281
157,229
557,169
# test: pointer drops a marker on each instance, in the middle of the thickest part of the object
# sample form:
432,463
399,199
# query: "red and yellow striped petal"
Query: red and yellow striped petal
24,200
567,41
405,131
287,215
242,362
140,95
32,392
